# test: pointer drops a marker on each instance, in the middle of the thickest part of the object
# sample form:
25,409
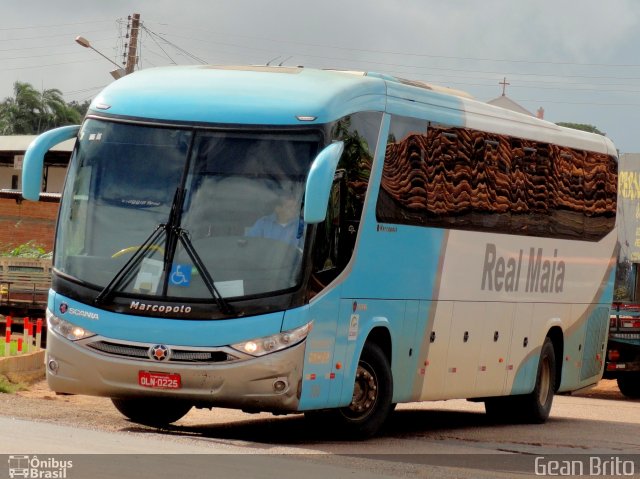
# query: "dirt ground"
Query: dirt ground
605,389
39,403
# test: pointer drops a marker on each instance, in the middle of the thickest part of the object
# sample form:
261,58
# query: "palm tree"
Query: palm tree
19,113
31,112
55,111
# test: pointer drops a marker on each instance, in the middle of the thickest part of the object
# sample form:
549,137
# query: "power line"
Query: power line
542,81
502,72
562,102
46,46
38,56
420,55
45,36
83,90
53,25
537,84
48,65
180,49
428,68
158,44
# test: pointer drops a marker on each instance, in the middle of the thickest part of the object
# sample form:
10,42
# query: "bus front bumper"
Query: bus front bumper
268,383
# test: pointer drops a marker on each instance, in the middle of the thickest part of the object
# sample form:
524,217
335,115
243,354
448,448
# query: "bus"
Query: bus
441,248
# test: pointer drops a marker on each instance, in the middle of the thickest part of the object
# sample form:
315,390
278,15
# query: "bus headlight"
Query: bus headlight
66,329
271,344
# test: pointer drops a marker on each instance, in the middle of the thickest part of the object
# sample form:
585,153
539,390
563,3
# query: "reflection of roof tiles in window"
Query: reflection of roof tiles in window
456,171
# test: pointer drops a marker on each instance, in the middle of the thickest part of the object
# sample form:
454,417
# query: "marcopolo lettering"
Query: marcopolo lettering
160,308
543,274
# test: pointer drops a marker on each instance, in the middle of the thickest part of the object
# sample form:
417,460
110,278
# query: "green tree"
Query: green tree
17,113
581,126
81,108
55,111
29,111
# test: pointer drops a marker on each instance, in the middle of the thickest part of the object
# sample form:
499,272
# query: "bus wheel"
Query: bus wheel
629,384
372,393
152,411
537,405
533,408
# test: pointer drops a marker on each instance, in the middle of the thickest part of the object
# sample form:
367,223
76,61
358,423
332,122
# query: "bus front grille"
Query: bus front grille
176,354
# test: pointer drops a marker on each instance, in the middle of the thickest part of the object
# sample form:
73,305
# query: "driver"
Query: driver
284,224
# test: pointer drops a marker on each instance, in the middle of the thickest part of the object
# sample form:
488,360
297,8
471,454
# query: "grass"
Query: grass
8,387
13,351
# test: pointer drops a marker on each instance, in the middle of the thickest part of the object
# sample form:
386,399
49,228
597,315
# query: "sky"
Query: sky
577,59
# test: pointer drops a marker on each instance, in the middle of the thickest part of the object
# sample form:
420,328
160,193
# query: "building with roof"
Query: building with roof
12,150
503,101
27,221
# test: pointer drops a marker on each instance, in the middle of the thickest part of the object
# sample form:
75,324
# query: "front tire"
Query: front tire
371,402
156,412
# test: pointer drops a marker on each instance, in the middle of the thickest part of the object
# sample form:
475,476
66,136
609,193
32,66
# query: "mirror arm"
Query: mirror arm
34,158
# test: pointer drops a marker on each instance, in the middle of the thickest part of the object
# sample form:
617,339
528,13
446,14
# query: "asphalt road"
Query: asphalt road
441,439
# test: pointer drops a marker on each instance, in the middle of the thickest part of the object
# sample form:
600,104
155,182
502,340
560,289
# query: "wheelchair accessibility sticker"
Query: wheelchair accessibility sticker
180,275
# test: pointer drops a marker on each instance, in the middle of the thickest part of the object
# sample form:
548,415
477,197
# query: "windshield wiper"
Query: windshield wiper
129,265
174,234
172,227
169,249
183,237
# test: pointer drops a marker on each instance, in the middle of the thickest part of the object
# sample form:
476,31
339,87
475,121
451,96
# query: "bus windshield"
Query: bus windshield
228,203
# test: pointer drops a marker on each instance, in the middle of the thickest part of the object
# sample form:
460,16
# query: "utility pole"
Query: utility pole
132,56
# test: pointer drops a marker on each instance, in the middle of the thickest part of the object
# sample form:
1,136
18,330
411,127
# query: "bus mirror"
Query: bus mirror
319,183
34,158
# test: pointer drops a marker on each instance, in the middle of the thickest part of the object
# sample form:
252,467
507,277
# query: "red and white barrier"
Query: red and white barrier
39,334
26,334
7,336
29,340
7,342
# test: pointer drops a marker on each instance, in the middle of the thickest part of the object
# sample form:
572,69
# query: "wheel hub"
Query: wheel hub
365,392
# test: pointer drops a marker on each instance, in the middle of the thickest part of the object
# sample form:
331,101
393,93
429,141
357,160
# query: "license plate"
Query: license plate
150,379
631,324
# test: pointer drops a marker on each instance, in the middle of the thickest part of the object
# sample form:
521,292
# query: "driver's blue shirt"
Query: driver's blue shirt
268,227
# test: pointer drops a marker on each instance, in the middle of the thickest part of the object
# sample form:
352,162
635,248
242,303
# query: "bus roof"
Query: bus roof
265,95
241,95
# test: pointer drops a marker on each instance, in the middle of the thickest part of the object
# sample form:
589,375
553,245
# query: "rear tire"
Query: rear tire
629,384
156,412
371,402
536,406
533,408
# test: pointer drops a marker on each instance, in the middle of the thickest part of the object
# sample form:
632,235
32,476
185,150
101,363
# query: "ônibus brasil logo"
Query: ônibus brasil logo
34,467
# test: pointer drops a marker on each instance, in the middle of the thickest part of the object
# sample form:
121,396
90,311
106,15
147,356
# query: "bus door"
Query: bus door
435,363
495,341
519,368
464,348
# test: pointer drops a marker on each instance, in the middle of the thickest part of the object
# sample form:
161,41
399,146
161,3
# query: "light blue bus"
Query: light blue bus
438,248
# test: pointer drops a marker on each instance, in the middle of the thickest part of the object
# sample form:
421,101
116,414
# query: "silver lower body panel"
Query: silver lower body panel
248,384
